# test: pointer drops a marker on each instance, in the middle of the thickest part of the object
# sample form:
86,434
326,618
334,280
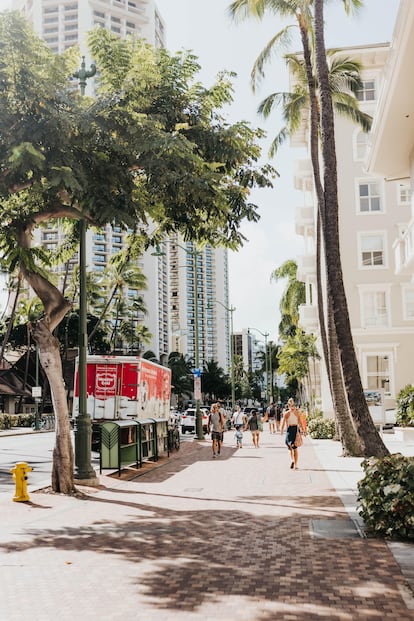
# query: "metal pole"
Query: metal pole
37,422
233,387
83,431
265,334
199,421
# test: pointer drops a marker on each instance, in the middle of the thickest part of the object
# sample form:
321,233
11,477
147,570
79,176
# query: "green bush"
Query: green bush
386,496
321,428
405,407
7,421
315,413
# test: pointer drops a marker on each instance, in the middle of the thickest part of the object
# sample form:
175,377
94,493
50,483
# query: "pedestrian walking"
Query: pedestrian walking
278,416
293,424
254,423
271,417
239,418
238,434
216,422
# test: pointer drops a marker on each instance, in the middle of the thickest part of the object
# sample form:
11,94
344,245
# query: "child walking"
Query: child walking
239,438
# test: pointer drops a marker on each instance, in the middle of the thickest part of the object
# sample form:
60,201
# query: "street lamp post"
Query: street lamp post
83,433
233,384
265,334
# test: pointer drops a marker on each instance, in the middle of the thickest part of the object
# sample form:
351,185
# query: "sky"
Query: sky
205,27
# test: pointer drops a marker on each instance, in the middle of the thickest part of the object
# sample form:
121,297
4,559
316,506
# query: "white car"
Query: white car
188,419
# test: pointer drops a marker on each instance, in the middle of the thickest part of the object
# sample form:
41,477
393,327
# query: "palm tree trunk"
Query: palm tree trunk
347,433
373,444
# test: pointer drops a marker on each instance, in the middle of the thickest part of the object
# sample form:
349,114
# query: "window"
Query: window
367,91
372,250
369,197
374,309
404,195
408,302
378,372
361,145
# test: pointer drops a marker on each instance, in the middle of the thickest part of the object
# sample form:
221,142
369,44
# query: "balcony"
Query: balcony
404,251
305,220
308,317
303,176
306,267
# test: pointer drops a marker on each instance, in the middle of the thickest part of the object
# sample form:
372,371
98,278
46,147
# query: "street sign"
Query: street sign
197,372
36,391
197,388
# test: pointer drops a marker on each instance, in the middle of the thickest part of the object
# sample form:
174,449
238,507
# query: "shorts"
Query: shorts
217,435
291,436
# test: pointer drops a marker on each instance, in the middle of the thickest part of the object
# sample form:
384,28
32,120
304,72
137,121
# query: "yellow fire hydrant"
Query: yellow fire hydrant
19,473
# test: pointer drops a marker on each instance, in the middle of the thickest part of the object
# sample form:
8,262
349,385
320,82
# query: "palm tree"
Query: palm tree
353,442
373,444
120,274
214,381
293,296
181,376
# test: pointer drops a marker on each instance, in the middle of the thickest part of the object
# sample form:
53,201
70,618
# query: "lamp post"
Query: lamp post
265,335
233,385
83,433
197,380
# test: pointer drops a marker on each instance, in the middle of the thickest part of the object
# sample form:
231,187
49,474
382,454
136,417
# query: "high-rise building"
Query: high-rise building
170,296
373,211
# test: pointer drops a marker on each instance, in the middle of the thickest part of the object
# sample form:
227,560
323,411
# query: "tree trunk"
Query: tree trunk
373,444
56,307
351,444
49,357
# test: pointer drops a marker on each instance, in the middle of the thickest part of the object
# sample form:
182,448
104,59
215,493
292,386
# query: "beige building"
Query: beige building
373,212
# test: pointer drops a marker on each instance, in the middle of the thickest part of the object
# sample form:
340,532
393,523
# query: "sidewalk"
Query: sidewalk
241,537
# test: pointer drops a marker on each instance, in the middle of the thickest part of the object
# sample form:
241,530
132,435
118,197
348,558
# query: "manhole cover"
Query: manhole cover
334,529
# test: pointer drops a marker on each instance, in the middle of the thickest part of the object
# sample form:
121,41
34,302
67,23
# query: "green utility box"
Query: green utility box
119,444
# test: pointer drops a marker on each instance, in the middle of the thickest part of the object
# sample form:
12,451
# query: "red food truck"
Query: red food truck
124,387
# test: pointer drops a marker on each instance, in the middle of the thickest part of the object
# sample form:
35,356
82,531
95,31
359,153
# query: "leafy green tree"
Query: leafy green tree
152,146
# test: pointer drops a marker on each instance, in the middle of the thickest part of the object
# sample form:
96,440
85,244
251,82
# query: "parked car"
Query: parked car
188,420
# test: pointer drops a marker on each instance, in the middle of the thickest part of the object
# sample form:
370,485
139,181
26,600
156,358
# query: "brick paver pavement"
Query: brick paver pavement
242,537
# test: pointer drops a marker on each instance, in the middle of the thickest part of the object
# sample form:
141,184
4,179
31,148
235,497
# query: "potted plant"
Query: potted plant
404,429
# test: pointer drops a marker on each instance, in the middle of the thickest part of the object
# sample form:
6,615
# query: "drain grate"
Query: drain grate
334,529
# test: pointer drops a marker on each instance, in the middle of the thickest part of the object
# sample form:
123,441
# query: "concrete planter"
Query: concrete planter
404,434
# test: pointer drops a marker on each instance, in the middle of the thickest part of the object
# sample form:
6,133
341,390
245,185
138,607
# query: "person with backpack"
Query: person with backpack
271,417
216,422
254,423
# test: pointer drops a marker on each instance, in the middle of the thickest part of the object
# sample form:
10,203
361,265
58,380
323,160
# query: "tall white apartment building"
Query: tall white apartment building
373,212
169,297
63,23
199,299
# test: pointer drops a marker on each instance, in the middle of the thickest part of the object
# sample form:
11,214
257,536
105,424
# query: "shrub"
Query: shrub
405,407
321,428
315,413
386,496
8,421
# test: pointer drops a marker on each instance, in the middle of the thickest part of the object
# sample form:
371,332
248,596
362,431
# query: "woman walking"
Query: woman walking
254,423
292,422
